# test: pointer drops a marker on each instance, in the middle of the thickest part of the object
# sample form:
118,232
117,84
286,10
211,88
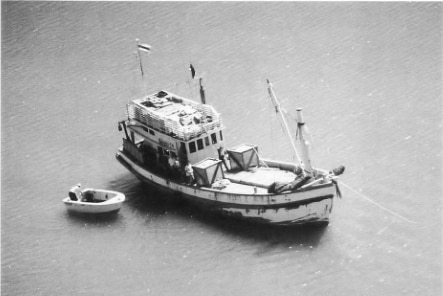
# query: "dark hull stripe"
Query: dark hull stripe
221,205
229,210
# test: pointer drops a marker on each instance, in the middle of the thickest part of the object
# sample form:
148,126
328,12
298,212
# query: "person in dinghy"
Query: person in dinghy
75,193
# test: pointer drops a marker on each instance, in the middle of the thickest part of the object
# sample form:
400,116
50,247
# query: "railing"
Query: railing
164,124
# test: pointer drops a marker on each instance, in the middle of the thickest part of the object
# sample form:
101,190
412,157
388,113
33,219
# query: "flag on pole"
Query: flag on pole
192,71
144,47
140,62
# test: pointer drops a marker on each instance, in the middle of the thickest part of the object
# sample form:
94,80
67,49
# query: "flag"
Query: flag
192,71
144,47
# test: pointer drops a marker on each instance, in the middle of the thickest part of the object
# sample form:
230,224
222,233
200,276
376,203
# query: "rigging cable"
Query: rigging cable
282,129
377,204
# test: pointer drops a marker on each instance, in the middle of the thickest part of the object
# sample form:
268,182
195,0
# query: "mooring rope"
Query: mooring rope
377,204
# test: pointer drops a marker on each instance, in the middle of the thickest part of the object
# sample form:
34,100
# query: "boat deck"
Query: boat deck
240,188
256,180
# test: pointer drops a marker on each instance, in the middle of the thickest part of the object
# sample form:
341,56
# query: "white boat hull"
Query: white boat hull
112,202
302,206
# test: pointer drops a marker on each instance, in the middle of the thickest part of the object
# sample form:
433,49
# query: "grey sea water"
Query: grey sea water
368,76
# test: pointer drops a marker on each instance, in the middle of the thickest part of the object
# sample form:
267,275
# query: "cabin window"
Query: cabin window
192,147
200,144
214,138
148,130
221,136
207,141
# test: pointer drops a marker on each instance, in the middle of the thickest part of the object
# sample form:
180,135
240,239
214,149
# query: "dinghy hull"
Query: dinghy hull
102,201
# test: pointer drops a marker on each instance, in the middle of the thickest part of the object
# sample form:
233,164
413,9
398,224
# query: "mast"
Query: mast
144,48
202,92
285,124
303,143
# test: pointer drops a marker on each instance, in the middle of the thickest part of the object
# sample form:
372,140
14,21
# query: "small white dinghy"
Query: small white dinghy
93,201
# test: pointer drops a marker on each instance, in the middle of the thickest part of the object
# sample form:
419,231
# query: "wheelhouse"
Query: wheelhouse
164,125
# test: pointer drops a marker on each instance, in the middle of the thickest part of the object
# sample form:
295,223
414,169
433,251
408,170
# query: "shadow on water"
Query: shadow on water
153,202
274,236
97,220
268,236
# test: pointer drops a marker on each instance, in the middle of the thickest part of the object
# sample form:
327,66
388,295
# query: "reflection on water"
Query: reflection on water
147,200
93,220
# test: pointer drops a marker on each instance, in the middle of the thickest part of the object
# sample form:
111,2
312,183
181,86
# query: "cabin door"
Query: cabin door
182,154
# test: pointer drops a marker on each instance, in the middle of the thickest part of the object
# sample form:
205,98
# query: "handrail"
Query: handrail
165,124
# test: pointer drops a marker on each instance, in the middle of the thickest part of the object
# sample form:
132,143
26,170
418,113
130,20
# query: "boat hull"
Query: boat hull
291,208
113,204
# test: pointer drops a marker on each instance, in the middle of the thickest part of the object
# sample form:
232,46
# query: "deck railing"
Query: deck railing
162,123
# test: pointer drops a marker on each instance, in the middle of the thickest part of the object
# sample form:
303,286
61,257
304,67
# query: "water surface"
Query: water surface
368,76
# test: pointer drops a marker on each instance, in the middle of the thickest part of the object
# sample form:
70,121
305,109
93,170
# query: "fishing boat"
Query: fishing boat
93,201
178,144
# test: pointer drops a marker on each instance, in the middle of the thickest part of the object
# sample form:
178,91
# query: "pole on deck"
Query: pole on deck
202,91
285,124
141,65
303,143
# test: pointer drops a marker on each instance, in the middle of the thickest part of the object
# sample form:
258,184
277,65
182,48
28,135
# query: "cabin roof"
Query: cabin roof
173,115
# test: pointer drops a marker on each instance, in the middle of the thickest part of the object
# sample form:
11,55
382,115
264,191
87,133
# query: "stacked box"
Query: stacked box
208,171
243,157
